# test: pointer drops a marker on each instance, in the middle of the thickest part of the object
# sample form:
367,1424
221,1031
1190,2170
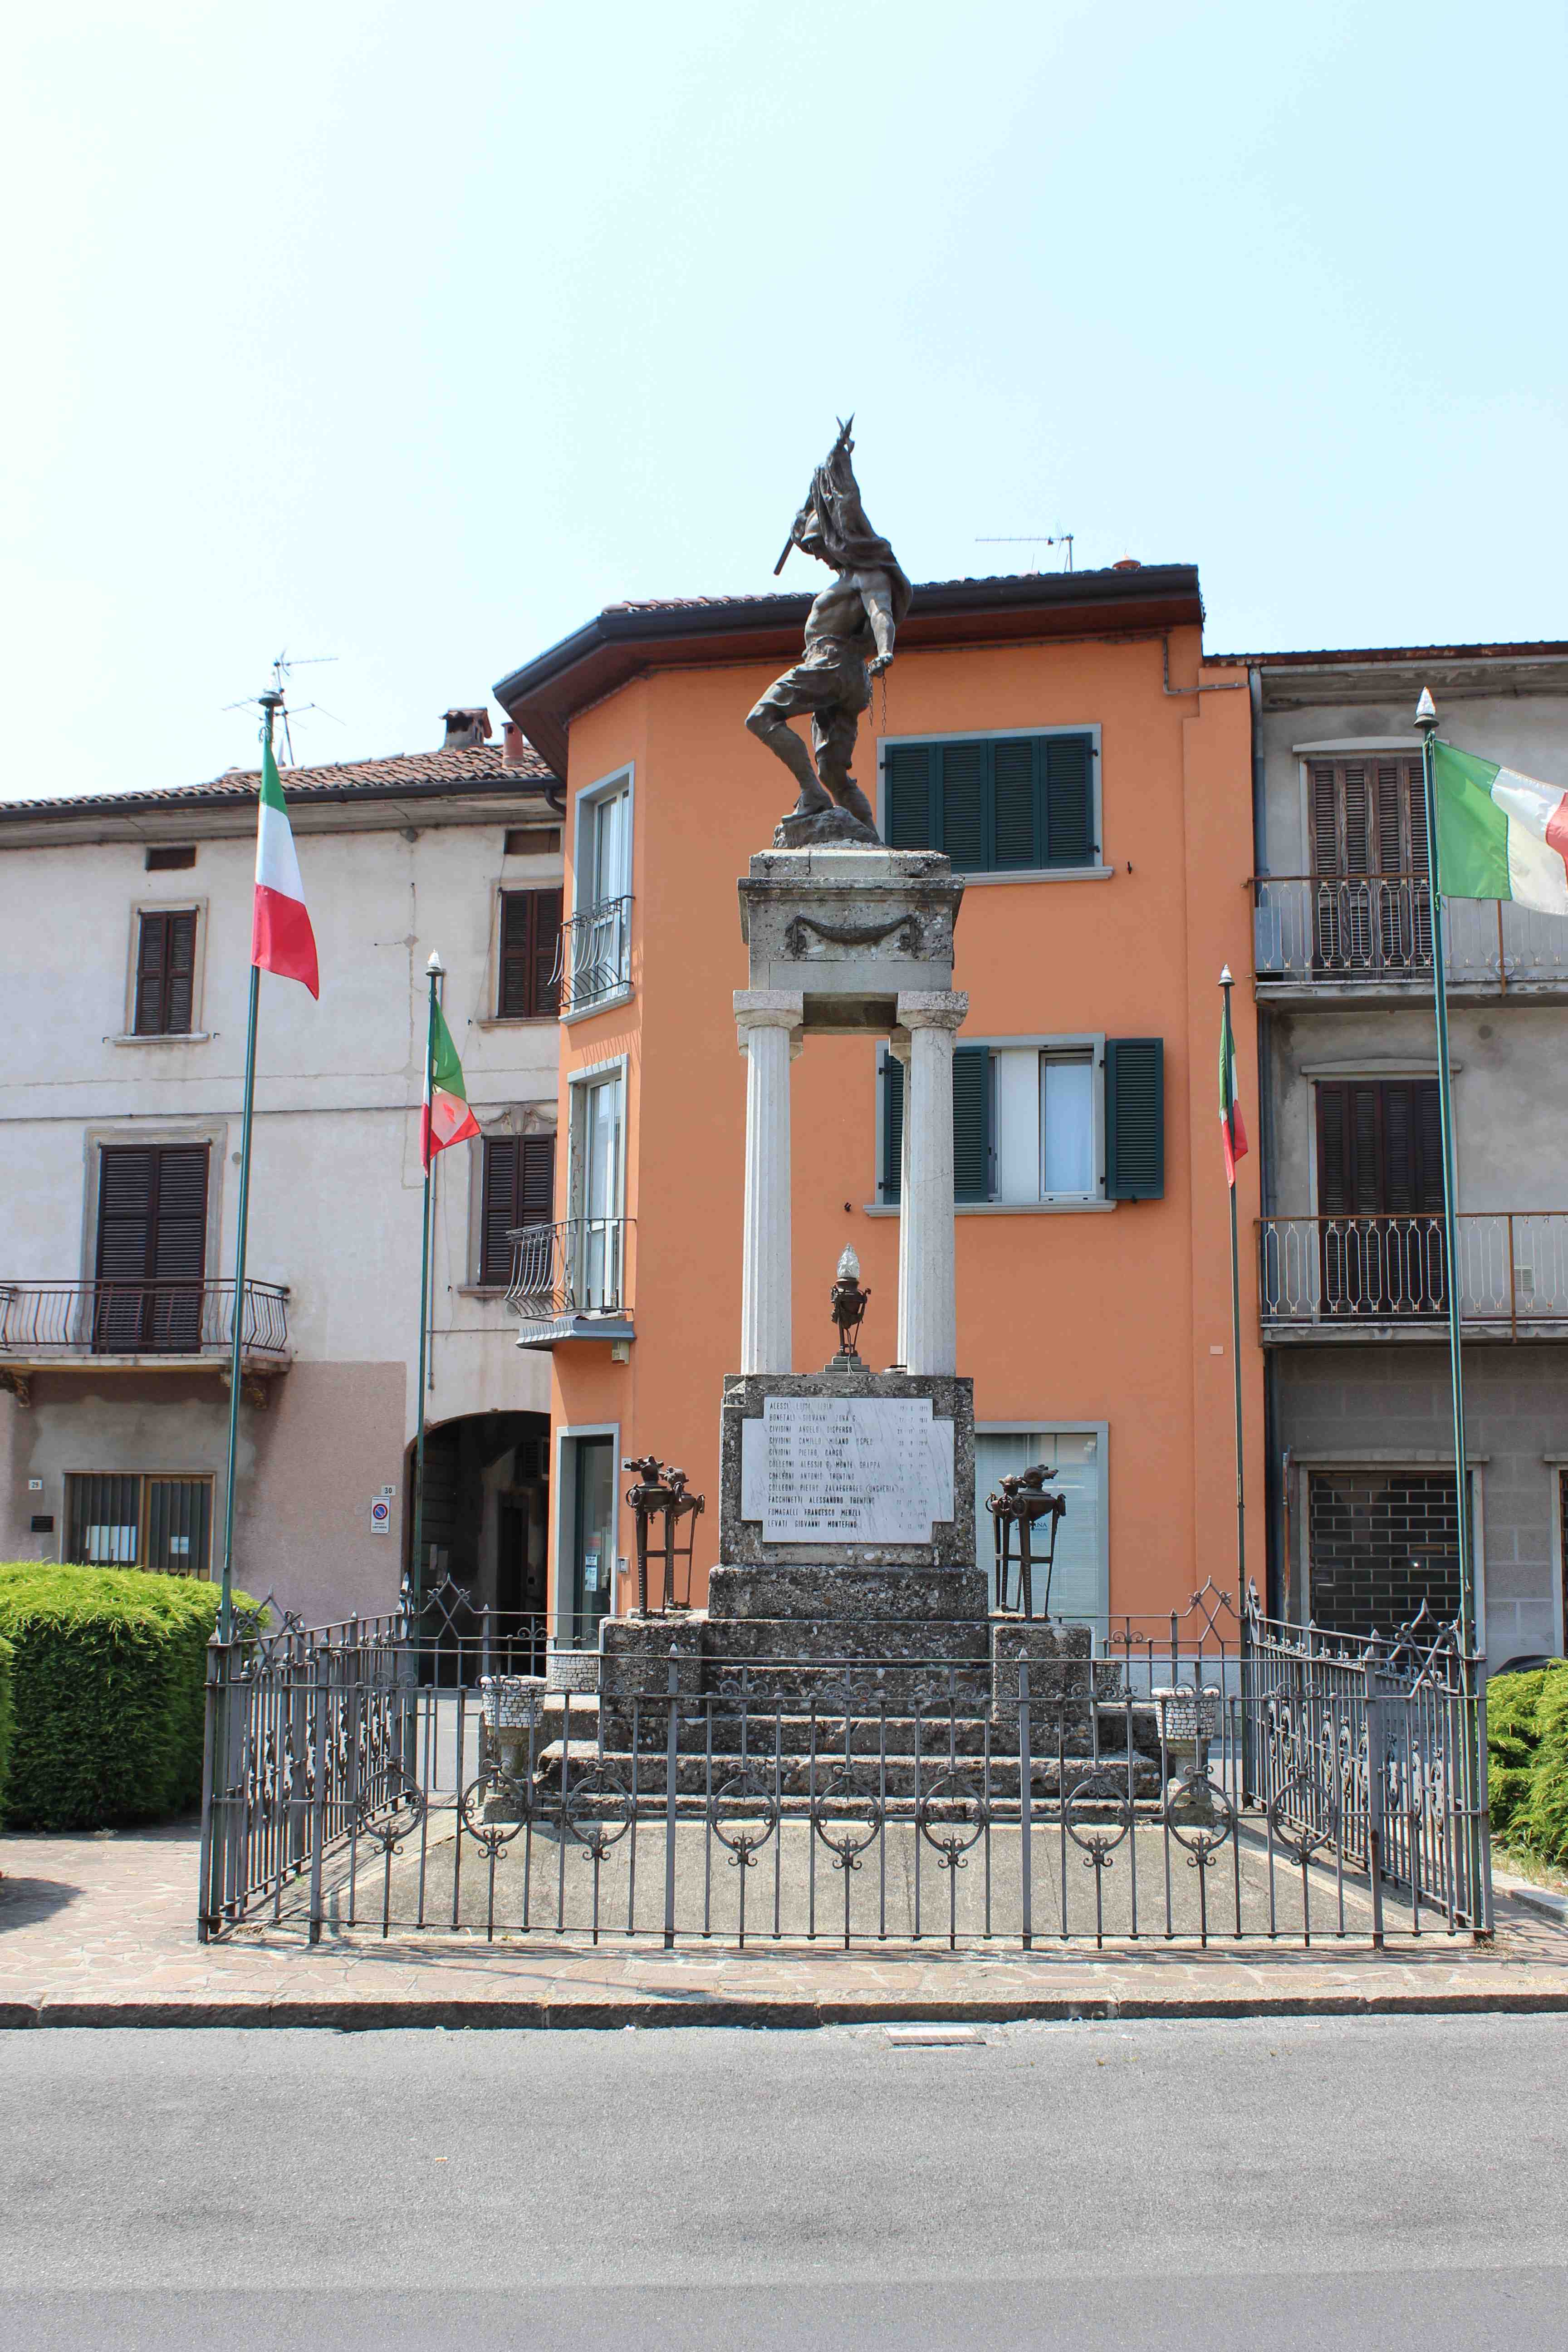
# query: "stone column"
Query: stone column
929,1310
899,1047
768,1021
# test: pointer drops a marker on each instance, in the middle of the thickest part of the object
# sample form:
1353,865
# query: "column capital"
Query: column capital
934,1008
768,1008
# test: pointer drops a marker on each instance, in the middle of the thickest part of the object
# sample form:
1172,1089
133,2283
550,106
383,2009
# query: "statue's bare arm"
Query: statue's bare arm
877,595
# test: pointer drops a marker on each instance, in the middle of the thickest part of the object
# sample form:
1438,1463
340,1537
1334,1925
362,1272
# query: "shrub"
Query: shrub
6,1717
1513,1735
108,1675
1544,1821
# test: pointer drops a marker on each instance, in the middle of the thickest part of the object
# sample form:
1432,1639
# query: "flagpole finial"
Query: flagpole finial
1426,711
435,968
1225,978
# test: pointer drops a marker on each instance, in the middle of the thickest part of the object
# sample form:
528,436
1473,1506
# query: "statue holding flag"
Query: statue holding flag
850,635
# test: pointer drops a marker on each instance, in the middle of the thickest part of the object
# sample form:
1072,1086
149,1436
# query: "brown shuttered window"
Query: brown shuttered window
519,1188
165,970
530,934
151,1248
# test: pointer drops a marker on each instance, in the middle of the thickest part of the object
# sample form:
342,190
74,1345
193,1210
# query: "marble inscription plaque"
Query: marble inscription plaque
847,1470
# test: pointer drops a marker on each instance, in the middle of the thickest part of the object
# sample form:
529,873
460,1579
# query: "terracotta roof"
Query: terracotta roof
479,767
1323,658
624,640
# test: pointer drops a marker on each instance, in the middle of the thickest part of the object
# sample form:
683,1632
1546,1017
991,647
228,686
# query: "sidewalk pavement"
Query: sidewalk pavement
98,1930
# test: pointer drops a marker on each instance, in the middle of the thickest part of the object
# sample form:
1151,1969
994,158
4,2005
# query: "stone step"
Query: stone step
883,1595
802,1641
1050,1776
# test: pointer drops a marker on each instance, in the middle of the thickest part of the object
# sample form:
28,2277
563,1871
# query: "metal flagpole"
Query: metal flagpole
1427,720
1226,984
271,703
436,971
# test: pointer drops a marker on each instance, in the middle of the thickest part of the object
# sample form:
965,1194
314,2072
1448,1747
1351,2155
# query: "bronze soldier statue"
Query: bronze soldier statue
849,638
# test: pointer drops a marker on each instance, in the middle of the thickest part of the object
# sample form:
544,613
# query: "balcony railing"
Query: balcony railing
1320,1273
42,1322
577,1268
593,959
1377,928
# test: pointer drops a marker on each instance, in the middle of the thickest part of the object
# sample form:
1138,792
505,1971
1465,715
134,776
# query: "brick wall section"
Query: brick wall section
1368,1405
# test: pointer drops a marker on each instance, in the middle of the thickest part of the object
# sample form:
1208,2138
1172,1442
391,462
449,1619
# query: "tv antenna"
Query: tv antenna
1035,538
274,699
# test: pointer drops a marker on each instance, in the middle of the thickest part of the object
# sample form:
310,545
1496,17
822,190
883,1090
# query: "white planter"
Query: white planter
1185,1715
512,1702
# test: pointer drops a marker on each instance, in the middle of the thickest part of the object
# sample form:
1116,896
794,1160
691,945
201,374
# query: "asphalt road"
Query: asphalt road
1305,2183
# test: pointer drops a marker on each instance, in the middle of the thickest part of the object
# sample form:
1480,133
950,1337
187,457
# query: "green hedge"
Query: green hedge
1527,1762
6,1717
109,1669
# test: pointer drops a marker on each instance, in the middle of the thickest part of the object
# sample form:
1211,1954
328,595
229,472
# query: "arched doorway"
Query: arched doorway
486,1508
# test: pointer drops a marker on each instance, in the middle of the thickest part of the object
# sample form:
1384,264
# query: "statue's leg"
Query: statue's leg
770,724
833,733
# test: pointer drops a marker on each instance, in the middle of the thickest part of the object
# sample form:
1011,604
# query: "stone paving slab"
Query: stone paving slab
98,1930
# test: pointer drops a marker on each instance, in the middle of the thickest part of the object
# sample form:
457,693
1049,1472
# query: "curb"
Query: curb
651,2011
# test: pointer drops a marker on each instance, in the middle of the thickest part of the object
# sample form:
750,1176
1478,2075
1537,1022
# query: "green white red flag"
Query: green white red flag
446,1118
1499,834
1232,1132
281,940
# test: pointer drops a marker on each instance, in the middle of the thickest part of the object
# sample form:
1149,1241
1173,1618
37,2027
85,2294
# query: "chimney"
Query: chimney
464,729
1127,563
514,744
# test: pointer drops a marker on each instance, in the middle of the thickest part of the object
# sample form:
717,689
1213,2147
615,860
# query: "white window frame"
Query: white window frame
1049,1424
1100,872
614,1066
587,801
1068,1044
195,1034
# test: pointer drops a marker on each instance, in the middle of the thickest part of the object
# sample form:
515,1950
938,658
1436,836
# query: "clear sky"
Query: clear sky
412,335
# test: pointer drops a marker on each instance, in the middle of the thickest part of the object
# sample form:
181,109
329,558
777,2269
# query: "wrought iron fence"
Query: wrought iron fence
592,960
1377,928
59,1320
575,1268
1187,1779
1512,1270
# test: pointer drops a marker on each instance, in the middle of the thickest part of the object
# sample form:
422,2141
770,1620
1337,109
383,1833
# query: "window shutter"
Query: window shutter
152,963
971,1123
536,1190
182,967
1333,1176
514,1000
892,1076
1013,783
1325,823
125,1198
1134,1118
964,769
1358,823
180,1244
498,1208
546,939
1068,800
907,773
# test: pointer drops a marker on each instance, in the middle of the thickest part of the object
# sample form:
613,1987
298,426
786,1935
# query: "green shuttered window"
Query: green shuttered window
971,1124
1134,1118
1016,802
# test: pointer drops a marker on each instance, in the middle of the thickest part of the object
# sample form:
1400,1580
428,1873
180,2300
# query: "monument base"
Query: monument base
832,828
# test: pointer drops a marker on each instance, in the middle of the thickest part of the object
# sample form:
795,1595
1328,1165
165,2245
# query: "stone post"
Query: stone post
928,1309
899,1047
768,1021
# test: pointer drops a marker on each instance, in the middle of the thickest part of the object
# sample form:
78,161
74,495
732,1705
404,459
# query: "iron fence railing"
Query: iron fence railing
1187,1779
577,1267
1374,929
60,1320
1512,1271
593,959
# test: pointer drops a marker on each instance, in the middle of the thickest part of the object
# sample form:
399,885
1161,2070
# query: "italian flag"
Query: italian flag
1232,1132
281,940
1499,835
446,1118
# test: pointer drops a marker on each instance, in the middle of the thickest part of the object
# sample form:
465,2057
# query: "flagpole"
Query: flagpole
1226,984
434,970
271,701
1427,720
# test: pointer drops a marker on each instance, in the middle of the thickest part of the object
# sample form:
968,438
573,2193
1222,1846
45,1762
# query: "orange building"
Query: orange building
1062,738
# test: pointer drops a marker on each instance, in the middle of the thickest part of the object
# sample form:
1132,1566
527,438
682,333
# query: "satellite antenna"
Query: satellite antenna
275,696
1035,538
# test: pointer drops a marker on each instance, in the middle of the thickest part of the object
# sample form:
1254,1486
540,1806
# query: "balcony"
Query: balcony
569,1281
593,959
1316,939
140,1327
1386,1278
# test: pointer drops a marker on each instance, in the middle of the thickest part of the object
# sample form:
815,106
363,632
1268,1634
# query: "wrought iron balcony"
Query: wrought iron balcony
1374,932
593,959
1325,1277
44,1324
569,1281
